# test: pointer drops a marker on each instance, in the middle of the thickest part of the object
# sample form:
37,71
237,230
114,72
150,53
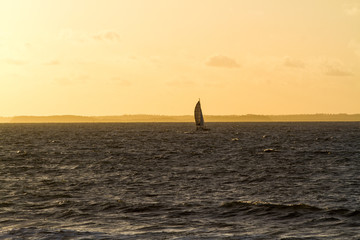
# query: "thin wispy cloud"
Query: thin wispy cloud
66,34
355,45
14,61
107,36
181,83
121,82
52,63
335,68
351,10
337,72
222,61
72,80
63,81
293,63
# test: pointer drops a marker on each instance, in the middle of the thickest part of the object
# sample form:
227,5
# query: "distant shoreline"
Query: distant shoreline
183,118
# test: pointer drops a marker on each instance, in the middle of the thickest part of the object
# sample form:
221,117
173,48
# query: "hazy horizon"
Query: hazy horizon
174,115
183,118
189,114
159,57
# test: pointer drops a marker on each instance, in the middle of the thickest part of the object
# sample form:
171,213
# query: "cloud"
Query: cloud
28,45
351,10
355,45
122,82
13,61
335,68
52,63
337,72
222,61
107,36
294,63
66,34
73,80
181,83
63,81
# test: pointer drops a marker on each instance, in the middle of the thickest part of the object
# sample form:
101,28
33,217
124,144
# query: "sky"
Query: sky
115,57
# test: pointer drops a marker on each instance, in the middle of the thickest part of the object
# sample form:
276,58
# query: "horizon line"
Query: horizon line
319,117
176,115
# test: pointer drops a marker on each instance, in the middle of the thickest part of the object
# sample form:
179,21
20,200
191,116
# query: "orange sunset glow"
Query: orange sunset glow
115,57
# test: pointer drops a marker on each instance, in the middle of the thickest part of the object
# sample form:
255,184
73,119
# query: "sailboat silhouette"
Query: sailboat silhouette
199,118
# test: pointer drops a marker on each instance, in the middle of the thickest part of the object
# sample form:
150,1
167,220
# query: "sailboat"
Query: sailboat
199,118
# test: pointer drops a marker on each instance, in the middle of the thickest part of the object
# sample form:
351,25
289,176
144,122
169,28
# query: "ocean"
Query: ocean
165,181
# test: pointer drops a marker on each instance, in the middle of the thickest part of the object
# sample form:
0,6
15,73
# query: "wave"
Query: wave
292,210
44,233
6,204
299,206
143,207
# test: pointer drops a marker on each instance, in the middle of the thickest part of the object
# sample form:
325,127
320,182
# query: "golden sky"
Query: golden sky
114,57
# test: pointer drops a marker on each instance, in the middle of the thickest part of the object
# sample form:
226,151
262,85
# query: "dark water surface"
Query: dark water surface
162,181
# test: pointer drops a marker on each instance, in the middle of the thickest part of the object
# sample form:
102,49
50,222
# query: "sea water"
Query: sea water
165,181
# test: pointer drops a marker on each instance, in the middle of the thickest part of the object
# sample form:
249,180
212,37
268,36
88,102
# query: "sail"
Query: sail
199,119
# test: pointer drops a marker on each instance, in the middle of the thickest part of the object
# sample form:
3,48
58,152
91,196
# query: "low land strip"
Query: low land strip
184,118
